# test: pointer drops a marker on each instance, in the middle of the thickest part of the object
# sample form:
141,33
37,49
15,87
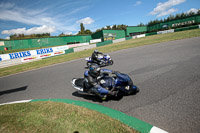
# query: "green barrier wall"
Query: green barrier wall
104,43
172,24
45,42
109,34
115,34
135,29
97,35
1,47
186,28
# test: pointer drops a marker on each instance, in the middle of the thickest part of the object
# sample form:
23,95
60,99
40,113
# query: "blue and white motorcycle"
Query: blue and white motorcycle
121,83
105,60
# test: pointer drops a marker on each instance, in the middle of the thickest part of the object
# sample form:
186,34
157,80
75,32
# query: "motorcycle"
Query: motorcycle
121,83
105,60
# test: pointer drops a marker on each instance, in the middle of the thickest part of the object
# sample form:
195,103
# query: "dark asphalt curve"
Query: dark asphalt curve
168,75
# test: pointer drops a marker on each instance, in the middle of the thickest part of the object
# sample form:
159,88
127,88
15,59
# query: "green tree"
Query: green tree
114,27
82,27
108,27
88,32
141,24
198,12
191,13
62,34
98,30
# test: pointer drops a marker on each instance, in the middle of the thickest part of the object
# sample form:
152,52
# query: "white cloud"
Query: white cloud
138,3
34,30
165,8
86,20
26,17
63,22
170,11
193,10
7,38
68,33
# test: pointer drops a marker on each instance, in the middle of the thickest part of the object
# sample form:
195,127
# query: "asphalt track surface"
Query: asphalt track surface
168,75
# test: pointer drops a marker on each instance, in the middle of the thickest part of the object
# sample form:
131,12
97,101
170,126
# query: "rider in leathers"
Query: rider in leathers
95,58
91,77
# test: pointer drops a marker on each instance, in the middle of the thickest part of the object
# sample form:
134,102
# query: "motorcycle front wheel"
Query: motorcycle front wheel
111,62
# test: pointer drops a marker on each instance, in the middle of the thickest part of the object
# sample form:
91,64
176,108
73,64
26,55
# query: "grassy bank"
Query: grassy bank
108,48
57,117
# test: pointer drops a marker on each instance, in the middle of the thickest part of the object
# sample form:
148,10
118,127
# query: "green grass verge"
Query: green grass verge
108,48
57,117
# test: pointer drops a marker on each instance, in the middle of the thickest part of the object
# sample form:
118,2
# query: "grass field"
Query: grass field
108,48
55,117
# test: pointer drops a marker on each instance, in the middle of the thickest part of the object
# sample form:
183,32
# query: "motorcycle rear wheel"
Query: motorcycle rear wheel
88,64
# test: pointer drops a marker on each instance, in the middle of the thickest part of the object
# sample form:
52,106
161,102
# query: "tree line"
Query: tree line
173,17
22,36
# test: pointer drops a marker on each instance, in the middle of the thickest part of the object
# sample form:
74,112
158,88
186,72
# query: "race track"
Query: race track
168,75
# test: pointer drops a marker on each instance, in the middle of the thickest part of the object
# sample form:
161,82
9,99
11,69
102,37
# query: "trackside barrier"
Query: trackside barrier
28,56
84,47
119,40
77,45
95,41
165,31
138,36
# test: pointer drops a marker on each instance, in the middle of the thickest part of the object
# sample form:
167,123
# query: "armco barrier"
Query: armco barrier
77,45
95,41
84,47
104,43
138,36
165,31
119,40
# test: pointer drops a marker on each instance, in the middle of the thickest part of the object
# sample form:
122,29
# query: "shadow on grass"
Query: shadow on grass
13,90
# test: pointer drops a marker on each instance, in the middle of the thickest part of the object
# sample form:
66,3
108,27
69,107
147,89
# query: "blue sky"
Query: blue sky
65,16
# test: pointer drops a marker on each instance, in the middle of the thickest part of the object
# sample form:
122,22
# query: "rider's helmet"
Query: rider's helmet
94,70
96,51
